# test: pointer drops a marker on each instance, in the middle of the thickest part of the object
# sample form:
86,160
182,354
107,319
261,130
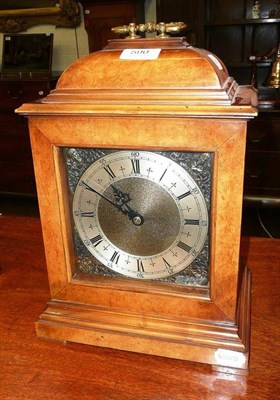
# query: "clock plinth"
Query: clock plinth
222,345
139,167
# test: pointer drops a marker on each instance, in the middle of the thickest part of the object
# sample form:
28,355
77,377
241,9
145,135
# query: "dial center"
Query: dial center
155,226
137,220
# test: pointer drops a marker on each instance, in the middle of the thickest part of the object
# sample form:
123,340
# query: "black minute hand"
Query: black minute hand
101,195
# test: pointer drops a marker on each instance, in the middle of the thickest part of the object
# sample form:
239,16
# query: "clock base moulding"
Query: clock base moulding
223,345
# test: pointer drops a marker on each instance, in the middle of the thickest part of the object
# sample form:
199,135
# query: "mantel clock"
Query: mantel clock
139,161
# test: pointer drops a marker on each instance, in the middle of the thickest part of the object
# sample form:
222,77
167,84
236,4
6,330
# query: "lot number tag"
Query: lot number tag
140,54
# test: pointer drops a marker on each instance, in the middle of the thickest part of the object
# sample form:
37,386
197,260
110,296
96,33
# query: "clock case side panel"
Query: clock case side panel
50,214
226,270
194,315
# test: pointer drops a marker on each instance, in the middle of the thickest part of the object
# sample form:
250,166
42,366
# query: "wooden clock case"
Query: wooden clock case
185,101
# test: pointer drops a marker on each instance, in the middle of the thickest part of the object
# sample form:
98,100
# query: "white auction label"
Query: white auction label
230,358
140,54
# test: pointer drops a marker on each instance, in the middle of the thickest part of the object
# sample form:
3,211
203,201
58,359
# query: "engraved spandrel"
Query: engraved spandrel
78,160
199,166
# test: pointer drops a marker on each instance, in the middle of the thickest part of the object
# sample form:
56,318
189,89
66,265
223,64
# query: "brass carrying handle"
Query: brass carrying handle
161,28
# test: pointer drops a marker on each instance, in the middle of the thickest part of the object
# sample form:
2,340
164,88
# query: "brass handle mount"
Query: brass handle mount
161,28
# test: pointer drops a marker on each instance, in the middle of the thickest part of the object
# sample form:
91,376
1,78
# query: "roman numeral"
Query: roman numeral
184,246
191,221
184,195
115,257
109,171
164,172
168,266
166,263
136,166
96,240
140,266
87,214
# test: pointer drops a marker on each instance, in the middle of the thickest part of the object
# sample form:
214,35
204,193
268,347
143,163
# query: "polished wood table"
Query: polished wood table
33,368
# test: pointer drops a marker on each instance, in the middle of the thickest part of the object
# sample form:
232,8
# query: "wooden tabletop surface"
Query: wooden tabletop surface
33,368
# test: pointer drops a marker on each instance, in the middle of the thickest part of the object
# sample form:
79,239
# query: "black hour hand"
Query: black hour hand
120,197
136,218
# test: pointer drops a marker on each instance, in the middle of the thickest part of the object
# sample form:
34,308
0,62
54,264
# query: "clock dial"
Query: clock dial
140,214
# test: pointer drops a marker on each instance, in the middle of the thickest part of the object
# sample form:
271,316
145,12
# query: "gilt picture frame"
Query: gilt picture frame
18,16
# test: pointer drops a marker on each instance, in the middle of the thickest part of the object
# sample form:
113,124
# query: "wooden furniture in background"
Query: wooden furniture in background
232,34
226,28
263,144
100,16
32,368
262,182
191,12
17,175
